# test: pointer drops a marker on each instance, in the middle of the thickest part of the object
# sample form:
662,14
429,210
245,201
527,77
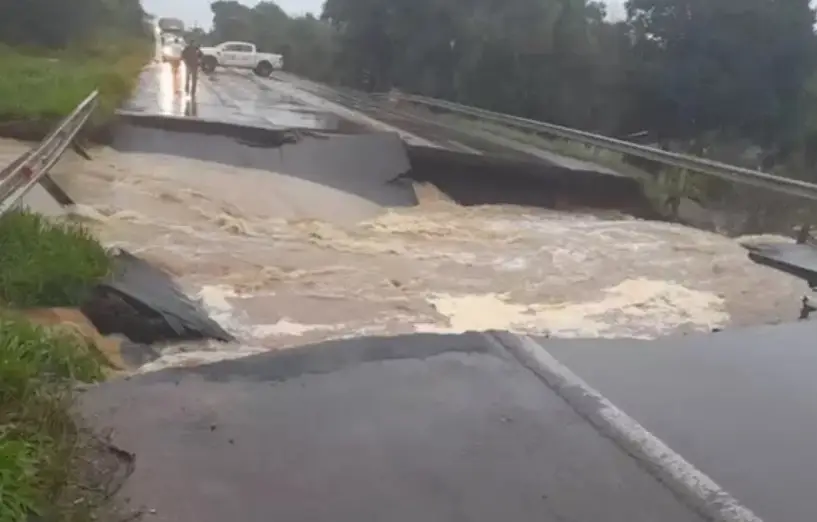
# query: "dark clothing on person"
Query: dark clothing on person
191,56
191,80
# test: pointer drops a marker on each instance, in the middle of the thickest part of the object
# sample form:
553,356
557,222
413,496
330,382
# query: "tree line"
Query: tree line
57,24
704,75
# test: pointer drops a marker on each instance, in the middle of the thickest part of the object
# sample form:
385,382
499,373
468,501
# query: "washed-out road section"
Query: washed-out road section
416,426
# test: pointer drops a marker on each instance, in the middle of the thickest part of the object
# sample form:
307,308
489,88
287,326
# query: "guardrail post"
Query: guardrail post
804,235
18,178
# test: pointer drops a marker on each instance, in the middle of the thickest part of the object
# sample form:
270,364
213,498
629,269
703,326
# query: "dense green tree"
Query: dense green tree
59,23
231,21
733,66
542,58
691,71
306,42
696,72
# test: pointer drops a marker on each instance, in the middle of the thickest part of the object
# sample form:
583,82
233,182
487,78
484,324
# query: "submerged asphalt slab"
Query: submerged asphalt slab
331,176
739,405
420,427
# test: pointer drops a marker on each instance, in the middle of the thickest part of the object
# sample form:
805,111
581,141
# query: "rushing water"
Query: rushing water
280,261
276,279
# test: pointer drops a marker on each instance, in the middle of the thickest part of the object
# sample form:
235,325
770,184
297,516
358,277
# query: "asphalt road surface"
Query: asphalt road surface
737,404
228,96
287,101
440,131
238,97
424,427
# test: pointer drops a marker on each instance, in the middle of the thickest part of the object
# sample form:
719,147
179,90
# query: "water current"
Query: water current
281,262
277,279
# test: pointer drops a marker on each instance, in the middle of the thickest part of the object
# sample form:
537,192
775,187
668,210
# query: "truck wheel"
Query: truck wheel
264,69
208,64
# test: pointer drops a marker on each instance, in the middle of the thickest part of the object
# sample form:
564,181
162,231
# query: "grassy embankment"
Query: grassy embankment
38,88
46,458
44,453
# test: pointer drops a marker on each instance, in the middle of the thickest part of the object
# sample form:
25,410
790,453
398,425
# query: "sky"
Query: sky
197,12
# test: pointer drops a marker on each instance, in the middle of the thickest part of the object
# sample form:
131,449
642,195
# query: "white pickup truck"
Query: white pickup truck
240,55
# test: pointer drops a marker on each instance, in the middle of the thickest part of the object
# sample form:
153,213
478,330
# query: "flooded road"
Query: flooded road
277,281
281,261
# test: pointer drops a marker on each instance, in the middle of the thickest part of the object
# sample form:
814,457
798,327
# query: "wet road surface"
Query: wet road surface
285,100
437,130
229,96
740,405
431,428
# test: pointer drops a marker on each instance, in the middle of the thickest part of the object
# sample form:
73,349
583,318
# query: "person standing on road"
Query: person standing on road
175,46
191,56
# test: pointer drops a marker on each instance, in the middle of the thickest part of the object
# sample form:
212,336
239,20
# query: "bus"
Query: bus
170,25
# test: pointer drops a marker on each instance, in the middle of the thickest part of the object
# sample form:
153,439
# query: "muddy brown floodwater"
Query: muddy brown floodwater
277,278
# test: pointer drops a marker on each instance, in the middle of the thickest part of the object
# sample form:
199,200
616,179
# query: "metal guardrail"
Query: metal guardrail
27,170
732,173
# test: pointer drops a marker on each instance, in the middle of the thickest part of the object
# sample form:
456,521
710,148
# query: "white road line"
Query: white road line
464,147
685,480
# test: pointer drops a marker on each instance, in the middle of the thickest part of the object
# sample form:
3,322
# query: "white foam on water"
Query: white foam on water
86,213
219,301
216,300
767,239
197,355
274,275
637,308
288,327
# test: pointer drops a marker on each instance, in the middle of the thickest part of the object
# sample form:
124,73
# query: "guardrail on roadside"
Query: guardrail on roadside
732,173
27,170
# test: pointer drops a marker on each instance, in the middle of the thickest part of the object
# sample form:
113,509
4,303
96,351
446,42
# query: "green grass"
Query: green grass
41,446
47,264
47,86
49,463
45,456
